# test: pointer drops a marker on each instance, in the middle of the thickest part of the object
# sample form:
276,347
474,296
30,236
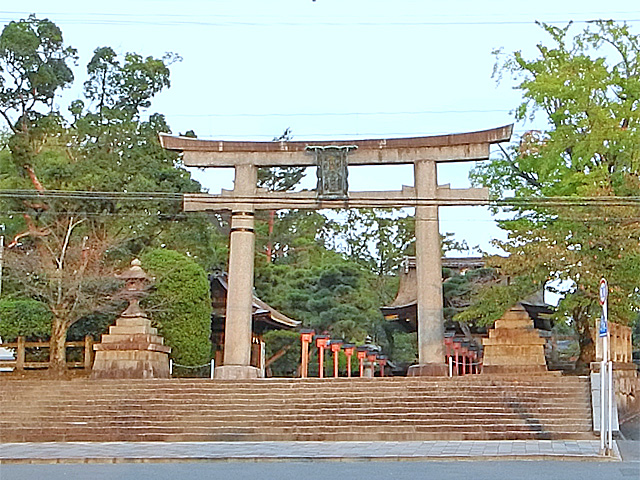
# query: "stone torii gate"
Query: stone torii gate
332,159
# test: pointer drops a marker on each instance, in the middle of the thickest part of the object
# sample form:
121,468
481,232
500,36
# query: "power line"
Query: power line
89,195
333,114
228,20
559,201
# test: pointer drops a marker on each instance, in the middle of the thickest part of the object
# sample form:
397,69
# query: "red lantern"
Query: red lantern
306,336
321,344
335,345
362,354
382,360
348,351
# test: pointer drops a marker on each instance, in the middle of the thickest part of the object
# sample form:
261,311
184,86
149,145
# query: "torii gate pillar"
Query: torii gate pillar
429,275
237,325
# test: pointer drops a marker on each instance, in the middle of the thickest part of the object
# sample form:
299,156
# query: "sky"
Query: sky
329,69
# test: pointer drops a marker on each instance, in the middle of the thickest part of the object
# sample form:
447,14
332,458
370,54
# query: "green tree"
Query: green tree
182,315
375,237
277,179
64,249
33,67
588,88
332,295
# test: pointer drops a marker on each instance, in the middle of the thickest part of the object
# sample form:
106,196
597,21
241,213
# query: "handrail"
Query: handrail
20,346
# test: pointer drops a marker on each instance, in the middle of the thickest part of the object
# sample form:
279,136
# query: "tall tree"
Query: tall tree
34,65
63,248
588,88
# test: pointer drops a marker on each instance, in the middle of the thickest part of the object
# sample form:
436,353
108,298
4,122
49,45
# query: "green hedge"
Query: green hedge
180,305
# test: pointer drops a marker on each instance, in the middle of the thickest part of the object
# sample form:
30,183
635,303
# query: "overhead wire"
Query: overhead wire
218,20
581,201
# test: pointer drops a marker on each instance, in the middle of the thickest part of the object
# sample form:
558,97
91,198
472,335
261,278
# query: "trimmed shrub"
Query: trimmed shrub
180,305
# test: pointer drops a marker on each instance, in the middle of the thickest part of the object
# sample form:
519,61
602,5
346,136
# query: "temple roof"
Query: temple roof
261,311
404,307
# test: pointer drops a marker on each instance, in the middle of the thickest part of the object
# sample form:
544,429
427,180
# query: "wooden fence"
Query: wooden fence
20,346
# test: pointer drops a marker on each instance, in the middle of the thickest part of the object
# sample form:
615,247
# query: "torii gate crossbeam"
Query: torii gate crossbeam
426,195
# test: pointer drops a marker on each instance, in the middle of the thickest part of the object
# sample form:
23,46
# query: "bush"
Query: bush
28,318
180,305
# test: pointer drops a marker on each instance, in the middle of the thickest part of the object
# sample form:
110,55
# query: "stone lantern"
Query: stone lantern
132,348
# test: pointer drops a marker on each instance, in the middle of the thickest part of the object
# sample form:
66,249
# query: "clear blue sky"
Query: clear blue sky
328,69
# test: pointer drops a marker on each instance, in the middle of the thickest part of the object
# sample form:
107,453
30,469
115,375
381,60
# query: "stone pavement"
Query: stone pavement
124,452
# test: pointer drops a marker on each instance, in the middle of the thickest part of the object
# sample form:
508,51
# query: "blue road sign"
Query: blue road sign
604,326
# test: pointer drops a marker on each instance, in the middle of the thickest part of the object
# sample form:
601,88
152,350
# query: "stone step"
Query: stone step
297,382
247,414
132,393
37,435
296,421
299,385
319,424
308,410
257,428
312,409
435,396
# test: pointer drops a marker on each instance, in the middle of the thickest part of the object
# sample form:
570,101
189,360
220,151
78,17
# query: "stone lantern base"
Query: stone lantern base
131,349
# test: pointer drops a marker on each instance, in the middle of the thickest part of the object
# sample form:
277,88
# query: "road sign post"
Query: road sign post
606,375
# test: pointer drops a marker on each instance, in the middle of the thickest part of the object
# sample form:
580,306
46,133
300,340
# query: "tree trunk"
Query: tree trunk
586,342
57,350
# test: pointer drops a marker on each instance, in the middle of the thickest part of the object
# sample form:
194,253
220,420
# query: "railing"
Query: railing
459,366
194,368
20,346
619,344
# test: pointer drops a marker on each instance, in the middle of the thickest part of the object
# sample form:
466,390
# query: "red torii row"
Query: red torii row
324,341
465,359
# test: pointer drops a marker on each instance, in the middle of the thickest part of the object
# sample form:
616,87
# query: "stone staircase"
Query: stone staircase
474,407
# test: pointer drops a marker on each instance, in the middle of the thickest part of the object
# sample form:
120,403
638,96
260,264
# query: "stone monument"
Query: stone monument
132,348
514,345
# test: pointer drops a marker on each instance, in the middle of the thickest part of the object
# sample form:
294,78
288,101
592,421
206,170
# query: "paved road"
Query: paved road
312,470
628,469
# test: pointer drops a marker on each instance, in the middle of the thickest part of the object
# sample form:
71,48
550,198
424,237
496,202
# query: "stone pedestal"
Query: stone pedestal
131,349
236,372
428,370
514,345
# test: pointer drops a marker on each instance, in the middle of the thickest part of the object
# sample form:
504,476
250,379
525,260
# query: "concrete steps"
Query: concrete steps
393,409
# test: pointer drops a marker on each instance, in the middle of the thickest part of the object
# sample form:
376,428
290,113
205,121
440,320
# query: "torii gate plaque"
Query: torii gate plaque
426,196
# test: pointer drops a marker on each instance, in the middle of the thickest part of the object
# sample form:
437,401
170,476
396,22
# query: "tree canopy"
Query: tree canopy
64,248
587,86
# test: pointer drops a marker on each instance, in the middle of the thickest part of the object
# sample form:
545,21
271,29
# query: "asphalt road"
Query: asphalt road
477,470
